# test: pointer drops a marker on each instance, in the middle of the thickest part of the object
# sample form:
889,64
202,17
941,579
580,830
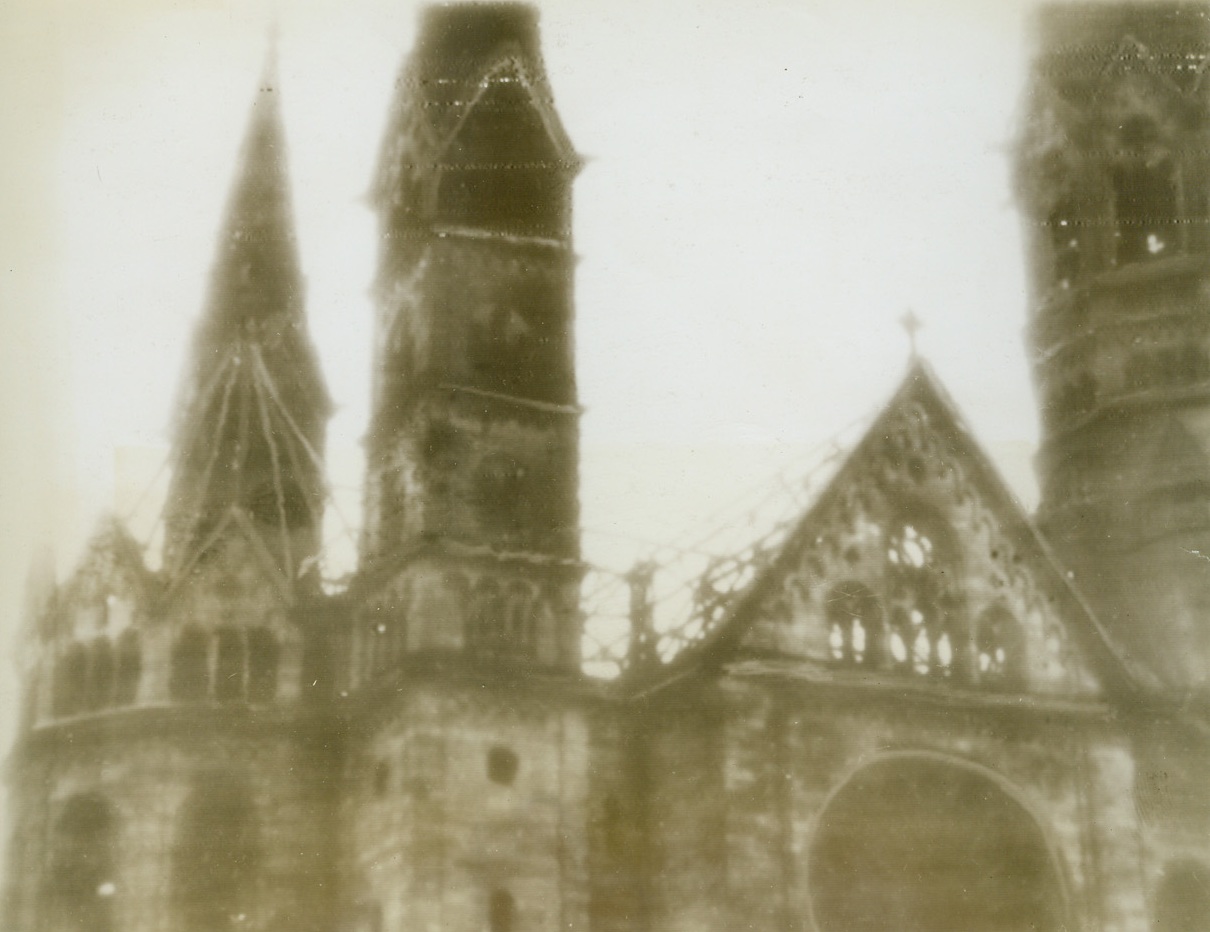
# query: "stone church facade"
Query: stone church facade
928,710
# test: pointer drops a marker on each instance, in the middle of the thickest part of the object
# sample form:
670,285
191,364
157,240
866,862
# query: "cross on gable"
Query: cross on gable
911,325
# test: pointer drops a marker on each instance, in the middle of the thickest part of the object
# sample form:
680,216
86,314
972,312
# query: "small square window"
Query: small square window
502,765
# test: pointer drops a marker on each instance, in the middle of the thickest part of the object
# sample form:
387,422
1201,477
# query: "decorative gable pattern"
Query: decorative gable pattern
917,562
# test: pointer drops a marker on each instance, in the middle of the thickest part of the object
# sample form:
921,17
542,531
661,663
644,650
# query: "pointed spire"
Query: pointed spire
251,422
256,275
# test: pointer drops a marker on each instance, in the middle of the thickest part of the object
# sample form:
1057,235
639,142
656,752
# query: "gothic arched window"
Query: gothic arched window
519,620
487,616
999,648
922,590
81,883
216,856
854,623
71,675
190,676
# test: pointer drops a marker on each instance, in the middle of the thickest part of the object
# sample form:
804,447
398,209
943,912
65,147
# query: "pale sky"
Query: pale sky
768,187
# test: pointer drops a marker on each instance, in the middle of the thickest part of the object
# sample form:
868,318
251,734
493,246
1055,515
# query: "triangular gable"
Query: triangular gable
504,76
109,585
433,101
917,563
233,559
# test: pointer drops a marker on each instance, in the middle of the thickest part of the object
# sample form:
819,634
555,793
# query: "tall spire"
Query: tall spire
251,421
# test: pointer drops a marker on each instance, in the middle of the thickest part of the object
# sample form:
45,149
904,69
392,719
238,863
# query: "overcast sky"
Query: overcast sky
768,187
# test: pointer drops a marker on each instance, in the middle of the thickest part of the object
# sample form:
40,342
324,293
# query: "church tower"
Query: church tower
1114,174
473,445
250,430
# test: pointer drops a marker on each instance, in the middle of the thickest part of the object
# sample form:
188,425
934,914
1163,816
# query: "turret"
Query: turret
1114,176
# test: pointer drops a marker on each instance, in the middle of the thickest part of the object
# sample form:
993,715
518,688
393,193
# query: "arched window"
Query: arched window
100,674
230,664
519,620
262,665
487,616
501,911
913,845
190,676
1182,901
922,582
81,882
999,648
130,668
501,493
216,856
71,675
854,623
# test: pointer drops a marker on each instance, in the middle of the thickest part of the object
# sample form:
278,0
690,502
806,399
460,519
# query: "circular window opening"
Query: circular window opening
502,766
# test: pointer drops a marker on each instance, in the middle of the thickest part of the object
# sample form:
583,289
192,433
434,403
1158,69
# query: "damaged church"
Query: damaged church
923,709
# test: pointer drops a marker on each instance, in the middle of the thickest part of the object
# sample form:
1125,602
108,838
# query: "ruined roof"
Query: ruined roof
461,49
731,593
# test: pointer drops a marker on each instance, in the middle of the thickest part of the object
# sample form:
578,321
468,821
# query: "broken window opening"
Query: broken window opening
1145,200
999,647
922,650
855,618
921,577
